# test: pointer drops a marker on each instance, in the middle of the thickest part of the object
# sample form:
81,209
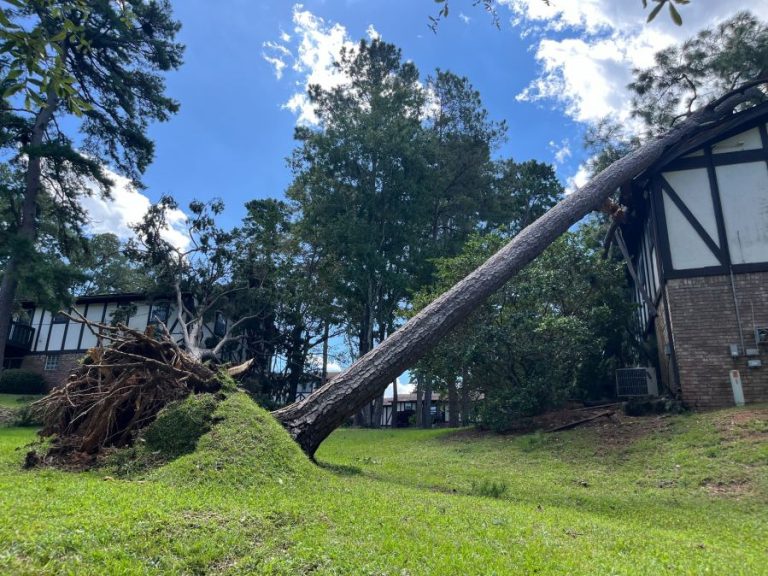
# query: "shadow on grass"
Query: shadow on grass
340,469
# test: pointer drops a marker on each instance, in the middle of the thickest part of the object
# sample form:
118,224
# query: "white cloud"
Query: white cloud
464,18
561,151
586,49
402,388
310,52
277,55
372,33
581,177
316,362
125,207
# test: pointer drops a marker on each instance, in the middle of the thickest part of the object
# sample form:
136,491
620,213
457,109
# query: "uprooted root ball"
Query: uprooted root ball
120,389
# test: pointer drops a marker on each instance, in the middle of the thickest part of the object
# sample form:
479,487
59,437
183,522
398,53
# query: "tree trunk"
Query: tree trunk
27,230
313,419
453,405
419,403
426,406
465,405
324,377
393,412
378,408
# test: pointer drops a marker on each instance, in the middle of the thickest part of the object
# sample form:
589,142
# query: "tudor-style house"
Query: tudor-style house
51,344
696,234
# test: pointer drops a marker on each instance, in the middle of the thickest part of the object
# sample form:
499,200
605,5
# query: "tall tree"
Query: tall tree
106,268
99,62
687,76
357,180
313,419
289,298
198,275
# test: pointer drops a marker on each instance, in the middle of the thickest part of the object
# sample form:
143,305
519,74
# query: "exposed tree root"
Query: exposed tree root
119,389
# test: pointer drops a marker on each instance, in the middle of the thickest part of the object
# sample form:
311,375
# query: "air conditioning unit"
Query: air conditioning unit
761,335
640,381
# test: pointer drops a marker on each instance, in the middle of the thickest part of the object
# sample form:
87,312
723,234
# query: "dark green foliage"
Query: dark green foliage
555,332
688,76
18,381
106,269
27,416
180,425
97,65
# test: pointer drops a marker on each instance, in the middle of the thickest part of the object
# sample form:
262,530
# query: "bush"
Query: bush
17,381
508,408
180,425
27,416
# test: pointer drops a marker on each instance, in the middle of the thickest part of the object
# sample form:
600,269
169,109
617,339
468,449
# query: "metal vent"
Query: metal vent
636,382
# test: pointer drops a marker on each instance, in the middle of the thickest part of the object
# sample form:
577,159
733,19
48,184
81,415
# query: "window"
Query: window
159,312
59,318
220,324
51,363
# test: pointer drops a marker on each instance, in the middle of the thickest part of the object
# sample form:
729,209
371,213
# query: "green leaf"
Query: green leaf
675,14
14,73
13,89
655,11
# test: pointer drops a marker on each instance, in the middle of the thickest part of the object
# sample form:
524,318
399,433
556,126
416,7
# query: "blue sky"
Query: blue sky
231,137
548,71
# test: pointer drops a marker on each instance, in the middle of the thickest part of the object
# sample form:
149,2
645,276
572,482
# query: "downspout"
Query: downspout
736,307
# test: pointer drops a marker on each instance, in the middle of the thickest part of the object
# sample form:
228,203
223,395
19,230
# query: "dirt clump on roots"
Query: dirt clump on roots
116,392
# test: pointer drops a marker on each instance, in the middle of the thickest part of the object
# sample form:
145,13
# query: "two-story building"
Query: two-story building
697,236
51,344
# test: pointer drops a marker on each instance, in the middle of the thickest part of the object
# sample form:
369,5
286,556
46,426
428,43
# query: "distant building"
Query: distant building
51,344
697,237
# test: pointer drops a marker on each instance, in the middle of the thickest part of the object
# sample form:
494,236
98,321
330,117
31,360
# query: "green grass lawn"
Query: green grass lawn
679,495
16,400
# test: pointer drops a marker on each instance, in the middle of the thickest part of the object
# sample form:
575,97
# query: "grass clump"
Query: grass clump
180,425
488,488
245,446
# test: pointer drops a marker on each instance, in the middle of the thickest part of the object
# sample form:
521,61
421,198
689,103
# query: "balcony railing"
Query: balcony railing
20,336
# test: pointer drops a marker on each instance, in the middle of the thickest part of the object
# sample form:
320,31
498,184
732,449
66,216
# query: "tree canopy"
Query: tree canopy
100,63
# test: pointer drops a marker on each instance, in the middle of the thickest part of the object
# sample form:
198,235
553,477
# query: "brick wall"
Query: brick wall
704,325
57,377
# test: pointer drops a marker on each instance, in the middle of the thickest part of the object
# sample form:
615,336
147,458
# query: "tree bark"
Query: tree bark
393,412
465,403
426,405
453,404
419,403
28,223
313,419
378,408
324,377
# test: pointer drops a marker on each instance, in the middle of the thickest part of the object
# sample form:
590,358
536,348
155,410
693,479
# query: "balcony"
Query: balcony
20,336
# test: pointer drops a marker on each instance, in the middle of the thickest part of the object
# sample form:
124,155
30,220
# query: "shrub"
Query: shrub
180,425
27,416
17,381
